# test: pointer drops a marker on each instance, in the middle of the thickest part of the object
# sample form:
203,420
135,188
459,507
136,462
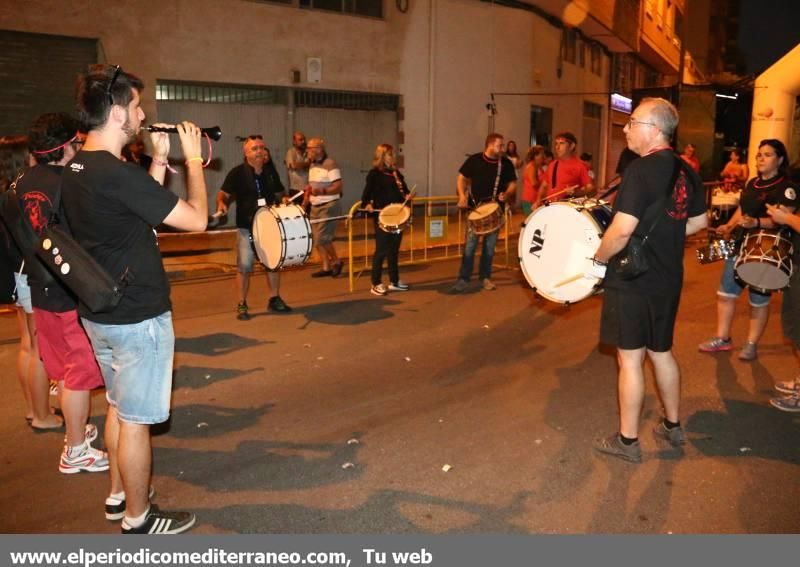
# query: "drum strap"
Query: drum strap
497,177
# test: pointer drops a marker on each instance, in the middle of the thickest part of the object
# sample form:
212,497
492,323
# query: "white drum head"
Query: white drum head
555,246
268,238
483,211
394,215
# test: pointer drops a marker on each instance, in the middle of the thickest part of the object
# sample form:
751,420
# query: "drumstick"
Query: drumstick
296,195
568,280
315,221
570,188
410,194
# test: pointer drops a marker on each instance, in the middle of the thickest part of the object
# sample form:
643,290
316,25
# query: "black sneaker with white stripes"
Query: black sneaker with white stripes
115,507
162,523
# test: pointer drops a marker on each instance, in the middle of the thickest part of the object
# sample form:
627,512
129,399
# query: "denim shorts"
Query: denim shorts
245,255
23,293
729,287
136,363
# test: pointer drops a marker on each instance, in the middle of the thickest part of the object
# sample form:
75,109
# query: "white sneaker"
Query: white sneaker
790,387
83,458
399,286
379,289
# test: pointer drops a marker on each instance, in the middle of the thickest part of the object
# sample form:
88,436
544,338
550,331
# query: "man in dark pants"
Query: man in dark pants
112,207
638,315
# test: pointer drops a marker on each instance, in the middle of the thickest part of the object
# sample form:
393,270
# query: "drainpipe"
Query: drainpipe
431,89
773,103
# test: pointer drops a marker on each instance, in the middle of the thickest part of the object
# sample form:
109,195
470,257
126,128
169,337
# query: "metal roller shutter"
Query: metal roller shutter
38,74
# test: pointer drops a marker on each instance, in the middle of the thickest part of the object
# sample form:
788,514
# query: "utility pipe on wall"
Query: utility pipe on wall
774,96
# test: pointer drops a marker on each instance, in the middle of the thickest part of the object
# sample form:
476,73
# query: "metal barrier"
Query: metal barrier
447,242
720,212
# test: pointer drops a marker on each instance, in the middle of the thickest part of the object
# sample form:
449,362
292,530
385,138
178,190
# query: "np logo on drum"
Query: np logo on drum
537,243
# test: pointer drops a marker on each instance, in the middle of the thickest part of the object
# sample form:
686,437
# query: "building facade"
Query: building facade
432,77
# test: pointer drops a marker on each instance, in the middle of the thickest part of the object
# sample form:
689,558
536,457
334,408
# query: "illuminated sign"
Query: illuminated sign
621,103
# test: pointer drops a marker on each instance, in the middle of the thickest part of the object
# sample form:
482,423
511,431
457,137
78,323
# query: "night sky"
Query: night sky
768,29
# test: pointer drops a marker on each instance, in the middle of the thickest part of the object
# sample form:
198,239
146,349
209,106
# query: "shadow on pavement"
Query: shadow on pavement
351,312
262,465
747,427
200,421
381,513
216,344
197,377
472,347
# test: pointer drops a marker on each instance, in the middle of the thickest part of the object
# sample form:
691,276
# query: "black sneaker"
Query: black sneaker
614,446
115,507
322,274
162,523
278,305
241,312
337,269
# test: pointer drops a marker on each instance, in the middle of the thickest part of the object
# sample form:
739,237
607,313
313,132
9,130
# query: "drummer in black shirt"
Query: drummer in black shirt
484,177
385,185
253,184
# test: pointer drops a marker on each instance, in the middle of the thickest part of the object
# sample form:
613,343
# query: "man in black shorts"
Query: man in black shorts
661,197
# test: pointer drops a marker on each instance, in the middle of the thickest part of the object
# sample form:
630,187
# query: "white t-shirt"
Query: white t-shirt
321,176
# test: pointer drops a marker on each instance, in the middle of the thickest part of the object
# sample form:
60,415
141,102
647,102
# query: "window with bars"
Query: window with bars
221,94
369,8
236,94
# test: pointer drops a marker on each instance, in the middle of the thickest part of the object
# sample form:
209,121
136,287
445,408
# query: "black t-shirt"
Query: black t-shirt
243,184
382,189
10,259
112,207
37,192
758,193
482,173
644,186
626,157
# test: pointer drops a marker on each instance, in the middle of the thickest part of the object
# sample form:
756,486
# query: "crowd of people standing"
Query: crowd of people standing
112,204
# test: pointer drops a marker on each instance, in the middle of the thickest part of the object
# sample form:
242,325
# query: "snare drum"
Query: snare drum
281,236
765,260
394,218
486,218
556,245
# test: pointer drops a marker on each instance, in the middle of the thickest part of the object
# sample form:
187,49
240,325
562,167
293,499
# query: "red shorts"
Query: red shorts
66,351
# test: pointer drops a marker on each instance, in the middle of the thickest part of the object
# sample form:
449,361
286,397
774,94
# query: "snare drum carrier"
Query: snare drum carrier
765,257
487,217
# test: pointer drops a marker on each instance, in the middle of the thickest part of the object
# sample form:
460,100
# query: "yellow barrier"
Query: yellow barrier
417,254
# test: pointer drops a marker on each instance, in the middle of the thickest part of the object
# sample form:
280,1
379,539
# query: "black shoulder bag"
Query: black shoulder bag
631,262
77,269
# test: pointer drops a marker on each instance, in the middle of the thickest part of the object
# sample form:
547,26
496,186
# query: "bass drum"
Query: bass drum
281,236
556,245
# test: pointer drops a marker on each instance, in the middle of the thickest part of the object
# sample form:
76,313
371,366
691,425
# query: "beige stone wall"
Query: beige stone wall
444,57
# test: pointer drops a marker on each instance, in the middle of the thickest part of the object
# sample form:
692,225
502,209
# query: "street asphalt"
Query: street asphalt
425,412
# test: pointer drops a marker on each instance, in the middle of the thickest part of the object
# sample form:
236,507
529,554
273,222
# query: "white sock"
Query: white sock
118,496
136,522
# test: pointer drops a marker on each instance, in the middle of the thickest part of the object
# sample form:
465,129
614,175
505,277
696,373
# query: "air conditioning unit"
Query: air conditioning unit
314,69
